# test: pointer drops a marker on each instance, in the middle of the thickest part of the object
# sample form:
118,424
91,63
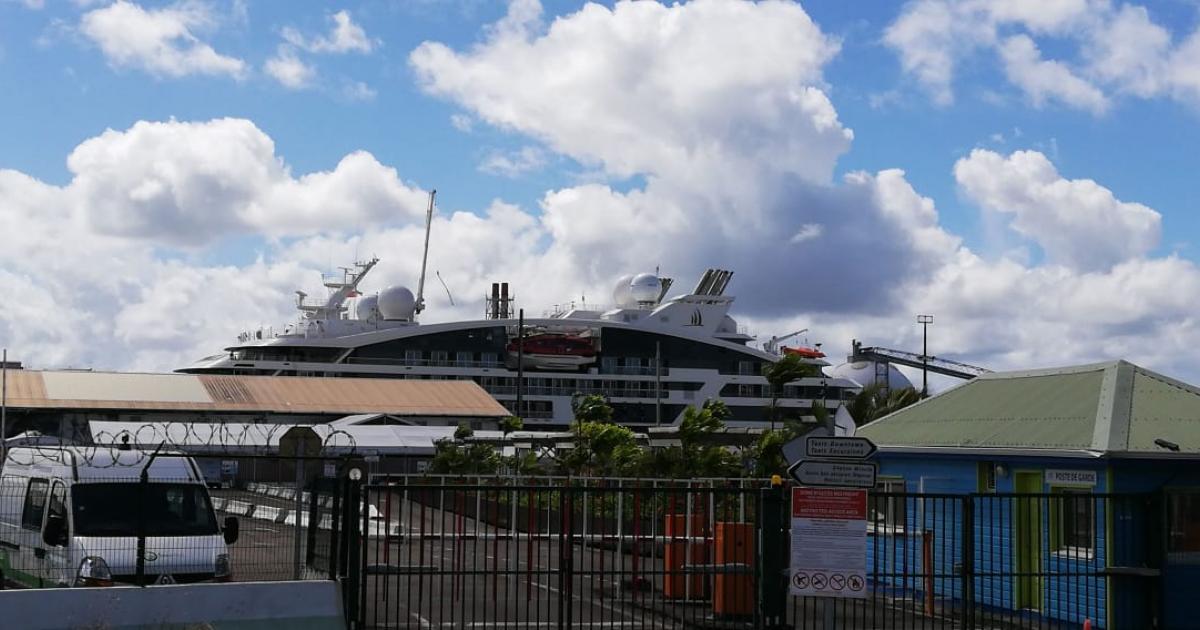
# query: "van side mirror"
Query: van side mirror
55,531
231,530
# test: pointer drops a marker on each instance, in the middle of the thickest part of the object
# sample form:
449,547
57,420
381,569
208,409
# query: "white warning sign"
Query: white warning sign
829,542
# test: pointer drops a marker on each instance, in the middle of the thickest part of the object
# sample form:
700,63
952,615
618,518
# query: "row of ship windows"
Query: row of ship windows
742,390
442,358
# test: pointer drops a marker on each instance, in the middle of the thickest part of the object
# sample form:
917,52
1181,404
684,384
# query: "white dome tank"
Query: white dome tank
367,308
644,288
864,373
397,303
622,296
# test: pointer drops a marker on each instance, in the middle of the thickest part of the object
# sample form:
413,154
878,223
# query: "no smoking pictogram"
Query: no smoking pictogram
837,581
800,580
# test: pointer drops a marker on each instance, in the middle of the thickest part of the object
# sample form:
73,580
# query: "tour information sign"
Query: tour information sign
829,542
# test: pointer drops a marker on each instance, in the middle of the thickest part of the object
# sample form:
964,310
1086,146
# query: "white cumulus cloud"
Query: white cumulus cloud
1110,49
190,183
344,36
162,42
289,70
1078,223
1043,80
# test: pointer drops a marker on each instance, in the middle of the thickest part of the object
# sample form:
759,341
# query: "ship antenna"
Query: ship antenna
420,306
439,277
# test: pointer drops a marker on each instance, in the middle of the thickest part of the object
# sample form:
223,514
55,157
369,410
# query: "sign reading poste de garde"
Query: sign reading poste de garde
829,542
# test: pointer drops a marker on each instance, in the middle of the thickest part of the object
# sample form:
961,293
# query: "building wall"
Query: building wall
938,514
1180,563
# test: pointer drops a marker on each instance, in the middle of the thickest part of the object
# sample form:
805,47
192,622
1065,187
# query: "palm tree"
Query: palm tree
872,403
787,369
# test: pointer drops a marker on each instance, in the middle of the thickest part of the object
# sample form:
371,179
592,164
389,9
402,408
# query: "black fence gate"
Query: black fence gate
433,553
600,554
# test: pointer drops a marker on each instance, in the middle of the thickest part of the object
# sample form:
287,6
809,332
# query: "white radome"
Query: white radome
864,373
367,307
397,303
645,287
622,296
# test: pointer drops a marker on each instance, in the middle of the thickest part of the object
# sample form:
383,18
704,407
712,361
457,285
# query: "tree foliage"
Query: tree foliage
508,424
591,408
698,453
873,402
454,457
788,368
601,449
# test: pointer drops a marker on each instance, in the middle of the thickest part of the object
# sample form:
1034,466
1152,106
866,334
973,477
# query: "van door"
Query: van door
32,555
56,534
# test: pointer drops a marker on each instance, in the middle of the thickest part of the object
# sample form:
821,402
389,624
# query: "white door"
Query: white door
30,568
55,536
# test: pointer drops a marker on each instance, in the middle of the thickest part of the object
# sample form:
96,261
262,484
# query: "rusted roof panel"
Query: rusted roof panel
271,394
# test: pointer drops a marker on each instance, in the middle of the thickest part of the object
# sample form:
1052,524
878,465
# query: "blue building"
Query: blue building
1067,494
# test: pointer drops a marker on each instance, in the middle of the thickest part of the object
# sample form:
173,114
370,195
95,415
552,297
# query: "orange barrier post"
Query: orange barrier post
676,556
734,591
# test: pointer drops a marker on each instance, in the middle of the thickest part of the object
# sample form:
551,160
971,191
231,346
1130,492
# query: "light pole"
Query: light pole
924,321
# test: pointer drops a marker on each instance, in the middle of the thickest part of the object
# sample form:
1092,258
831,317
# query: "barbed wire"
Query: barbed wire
133,447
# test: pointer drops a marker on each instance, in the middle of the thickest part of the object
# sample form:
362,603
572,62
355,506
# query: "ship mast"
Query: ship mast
420,306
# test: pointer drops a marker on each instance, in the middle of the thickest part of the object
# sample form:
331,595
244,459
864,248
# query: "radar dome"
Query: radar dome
622,296
865,373
367,307
397,303
645,287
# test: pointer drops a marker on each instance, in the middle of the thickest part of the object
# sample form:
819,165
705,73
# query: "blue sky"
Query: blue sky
1053,145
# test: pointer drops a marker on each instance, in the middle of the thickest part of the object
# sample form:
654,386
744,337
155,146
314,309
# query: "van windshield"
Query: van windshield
170,509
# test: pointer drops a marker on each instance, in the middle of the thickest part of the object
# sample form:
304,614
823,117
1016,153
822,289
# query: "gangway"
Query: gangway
912,359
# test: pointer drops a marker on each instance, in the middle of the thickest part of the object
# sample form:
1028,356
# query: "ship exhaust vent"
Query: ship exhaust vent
713,282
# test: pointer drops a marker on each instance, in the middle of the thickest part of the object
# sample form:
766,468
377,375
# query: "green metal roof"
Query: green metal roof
1102,408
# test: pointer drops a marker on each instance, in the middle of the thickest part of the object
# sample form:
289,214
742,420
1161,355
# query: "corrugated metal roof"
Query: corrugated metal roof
221,393
1113,407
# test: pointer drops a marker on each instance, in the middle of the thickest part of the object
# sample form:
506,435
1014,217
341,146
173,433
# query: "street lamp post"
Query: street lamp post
924,321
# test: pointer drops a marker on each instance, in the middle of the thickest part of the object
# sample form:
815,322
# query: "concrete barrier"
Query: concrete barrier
240,508
290,519
266,513
313,605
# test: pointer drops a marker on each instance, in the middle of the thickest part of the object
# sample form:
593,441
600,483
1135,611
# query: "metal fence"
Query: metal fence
99,516
1002,561
710,555
600,554
443,552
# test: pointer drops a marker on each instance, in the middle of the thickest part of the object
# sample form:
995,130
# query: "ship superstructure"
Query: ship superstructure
651,355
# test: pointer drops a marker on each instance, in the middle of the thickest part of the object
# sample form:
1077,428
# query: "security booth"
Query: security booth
1075,492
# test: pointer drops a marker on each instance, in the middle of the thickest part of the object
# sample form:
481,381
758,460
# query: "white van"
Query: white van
70,516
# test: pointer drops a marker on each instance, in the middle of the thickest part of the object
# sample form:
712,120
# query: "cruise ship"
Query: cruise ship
651,355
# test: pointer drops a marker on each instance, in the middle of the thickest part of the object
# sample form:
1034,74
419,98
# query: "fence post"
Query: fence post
140,561
355,595
771,563
968,562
